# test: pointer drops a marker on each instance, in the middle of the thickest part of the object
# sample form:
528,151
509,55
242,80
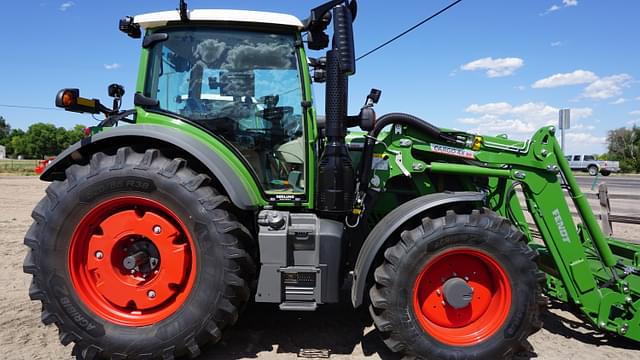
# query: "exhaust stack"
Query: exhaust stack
336,178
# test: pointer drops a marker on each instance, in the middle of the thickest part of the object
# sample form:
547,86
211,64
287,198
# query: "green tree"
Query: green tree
76,134
624,145
16,143
40,140
5,130
9,142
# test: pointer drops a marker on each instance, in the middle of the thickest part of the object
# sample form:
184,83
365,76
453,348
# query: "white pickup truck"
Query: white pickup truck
590,164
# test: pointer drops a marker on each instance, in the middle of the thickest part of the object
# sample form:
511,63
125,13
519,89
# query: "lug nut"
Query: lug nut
466,278
438,292
151,294
157,229
99,255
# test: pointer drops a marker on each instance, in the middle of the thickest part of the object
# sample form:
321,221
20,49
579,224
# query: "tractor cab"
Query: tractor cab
243,84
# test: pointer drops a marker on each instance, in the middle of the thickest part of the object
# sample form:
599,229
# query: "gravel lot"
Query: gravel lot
262,332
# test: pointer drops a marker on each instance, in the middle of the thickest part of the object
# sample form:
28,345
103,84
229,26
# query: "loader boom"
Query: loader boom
597,274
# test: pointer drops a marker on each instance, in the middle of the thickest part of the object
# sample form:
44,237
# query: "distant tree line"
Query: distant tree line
39,141
624,145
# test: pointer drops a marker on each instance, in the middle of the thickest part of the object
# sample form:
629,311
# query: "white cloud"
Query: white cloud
66,5
552,9
490,108
113,66
584,142
556,7
502,117
607,87
564,79
521,121
619,101
495,67
556,43
635,112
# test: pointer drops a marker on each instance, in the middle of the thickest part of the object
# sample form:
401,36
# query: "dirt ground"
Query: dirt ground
262,332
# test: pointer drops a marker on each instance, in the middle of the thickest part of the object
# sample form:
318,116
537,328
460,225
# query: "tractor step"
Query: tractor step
298,306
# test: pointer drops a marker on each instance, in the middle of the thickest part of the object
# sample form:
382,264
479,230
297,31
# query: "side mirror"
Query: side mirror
70,100
116,91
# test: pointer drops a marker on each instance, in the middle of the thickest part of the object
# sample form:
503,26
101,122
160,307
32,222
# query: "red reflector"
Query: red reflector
87,131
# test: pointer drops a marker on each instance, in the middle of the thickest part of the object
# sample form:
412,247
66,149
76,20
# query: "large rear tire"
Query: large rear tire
458,287
135,256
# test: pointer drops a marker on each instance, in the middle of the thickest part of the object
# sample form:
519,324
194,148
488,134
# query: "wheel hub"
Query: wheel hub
131,261
462,296
457,293
142,257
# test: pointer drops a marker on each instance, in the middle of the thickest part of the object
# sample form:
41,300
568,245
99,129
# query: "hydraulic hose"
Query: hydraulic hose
388,119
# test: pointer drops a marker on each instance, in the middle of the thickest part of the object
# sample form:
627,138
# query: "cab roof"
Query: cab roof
158,19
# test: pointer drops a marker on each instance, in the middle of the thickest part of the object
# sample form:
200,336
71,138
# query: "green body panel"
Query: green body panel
144,117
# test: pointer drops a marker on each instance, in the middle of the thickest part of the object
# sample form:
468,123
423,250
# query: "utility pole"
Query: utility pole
564,122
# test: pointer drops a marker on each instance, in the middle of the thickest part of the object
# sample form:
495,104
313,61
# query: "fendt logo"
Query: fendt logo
563,229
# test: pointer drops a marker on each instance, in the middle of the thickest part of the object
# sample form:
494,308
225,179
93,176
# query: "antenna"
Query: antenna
184,12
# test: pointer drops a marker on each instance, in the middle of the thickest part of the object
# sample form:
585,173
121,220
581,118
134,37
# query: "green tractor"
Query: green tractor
223,187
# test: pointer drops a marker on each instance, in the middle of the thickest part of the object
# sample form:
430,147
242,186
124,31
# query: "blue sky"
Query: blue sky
487,66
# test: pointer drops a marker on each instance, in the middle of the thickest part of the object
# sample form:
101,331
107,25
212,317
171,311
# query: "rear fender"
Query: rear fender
241,192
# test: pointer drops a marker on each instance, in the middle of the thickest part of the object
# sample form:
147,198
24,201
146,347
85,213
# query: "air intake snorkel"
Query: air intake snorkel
336,178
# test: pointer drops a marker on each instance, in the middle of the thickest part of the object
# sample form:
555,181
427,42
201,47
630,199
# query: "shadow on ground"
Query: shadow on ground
333,329
580,330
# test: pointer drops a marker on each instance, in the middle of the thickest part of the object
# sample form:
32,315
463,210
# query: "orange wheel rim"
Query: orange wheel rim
480,315
131,261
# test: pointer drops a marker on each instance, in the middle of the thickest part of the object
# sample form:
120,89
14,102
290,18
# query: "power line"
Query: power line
409,30
29,107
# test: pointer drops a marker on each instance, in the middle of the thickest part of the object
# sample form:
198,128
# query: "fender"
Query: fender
239,192
392,222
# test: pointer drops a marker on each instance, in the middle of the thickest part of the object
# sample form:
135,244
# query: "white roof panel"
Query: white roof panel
157,19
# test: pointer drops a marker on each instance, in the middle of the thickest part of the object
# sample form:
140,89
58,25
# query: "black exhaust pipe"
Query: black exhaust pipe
336,178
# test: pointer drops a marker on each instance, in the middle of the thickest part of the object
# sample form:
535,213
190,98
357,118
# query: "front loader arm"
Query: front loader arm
581,265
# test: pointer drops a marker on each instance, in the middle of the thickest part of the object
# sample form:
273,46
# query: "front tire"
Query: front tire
135,256
592,170
458,287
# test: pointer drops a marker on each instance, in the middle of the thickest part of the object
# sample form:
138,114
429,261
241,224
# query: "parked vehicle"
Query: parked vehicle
42,164
593,166
154,235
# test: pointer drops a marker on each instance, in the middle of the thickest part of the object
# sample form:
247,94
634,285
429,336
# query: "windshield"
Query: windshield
241,85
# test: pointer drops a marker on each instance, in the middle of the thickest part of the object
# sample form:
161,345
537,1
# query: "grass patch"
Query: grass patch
18,167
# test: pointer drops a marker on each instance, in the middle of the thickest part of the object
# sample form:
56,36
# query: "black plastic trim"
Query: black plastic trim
151,39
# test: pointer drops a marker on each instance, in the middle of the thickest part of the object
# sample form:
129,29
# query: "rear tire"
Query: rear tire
592,170
417,304
202,273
